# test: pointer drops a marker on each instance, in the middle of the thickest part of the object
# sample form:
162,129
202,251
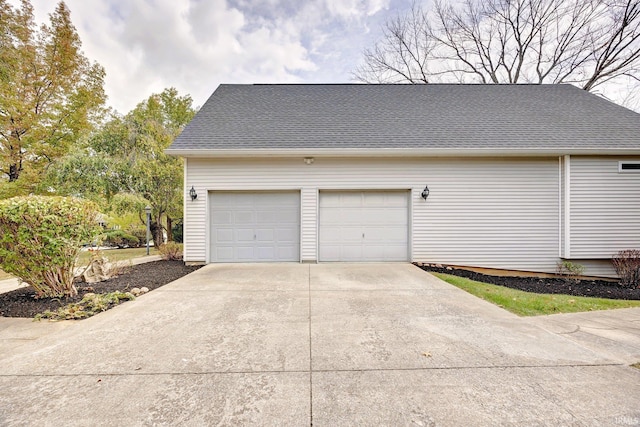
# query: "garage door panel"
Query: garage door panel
224,253
264,235
266,253
222,218
224,235
330,200
364,226
351,252
340,234
286,235
287,252
253,227
373,199
242,253
244,235
267,217
243,217
373,252
239,202
333,216
386,234
353,217
395,252
286,217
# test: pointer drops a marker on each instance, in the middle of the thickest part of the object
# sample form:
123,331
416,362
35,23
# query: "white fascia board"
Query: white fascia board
399,152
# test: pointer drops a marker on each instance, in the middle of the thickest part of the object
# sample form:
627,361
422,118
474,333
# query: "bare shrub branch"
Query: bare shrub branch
627,265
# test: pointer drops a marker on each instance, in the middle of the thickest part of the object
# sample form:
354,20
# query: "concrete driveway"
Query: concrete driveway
321,345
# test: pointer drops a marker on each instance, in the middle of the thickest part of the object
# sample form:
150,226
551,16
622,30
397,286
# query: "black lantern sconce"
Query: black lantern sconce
425,192
193,193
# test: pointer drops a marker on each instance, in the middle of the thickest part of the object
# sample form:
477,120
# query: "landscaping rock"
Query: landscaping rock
98,271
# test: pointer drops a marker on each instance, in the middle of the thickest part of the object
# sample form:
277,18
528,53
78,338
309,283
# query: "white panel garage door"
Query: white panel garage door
364,226
255,227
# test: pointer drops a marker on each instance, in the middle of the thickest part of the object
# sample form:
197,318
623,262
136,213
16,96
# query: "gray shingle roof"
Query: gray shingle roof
422,117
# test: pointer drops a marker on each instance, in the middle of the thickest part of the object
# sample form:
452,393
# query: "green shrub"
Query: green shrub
40,240
120,239
627,265
178,231
139,233
171,251
90,305
571,271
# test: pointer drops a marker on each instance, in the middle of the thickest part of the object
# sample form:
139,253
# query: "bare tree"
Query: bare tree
583,42
403,54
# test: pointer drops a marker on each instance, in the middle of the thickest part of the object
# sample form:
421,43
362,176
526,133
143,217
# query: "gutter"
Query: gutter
400,152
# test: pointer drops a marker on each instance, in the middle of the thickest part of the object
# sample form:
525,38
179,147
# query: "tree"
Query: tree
50,94
125,164
584,42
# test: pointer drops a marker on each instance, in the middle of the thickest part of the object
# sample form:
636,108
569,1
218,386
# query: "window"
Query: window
629,167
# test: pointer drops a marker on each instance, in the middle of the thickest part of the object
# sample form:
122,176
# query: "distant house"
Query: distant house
518,176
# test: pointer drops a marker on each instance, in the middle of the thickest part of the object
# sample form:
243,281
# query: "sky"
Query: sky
146,46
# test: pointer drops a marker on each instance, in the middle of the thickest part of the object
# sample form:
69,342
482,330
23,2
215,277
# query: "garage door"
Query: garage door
255,227
364,226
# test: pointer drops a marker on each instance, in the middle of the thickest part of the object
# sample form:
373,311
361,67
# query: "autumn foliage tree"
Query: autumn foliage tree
588,43
50,93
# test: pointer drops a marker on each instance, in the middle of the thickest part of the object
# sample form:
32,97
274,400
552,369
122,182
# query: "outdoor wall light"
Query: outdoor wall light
308,160
425,192
193,193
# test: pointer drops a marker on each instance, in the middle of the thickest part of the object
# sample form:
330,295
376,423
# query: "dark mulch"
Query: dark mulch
544,285
21,302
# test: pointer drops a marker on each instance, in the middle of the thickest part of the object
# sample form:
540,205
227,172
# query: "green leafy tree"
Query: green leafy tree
125,163
50,93
41,239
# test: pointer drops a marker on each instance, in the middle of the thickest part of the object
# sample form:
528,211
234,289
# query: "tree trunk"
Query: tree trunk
169,229
14,172
156,234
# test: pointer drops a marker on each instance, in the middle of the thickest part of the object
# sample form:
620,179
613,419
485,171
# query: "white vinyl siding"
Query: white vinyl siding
493,212
605,207
364,226
309,219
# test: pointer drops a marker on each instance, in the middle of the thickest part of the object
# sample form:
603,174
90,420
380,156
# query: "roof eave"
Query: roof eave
399,152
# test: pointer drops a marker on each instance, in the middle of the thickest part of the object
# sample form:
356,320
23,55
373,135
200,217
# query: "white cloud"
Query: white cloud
194,45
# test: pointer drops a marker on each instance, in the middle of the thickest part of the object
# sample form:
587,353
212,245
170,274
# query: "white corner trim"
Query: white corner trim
567,206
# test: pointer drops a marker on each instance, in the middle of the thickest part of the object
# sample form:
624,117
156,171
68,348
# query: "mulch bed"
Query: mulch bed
544,285
21,302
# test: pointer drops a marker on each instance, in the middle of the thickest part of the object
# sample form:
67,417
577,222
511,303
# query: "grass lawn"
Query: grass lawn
118,254
112,254
530,304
